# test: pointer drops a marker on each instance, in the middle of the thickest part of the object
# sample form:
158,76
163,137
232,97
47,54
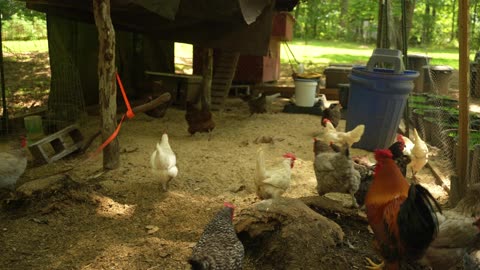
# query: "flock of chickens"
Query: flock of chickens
407,222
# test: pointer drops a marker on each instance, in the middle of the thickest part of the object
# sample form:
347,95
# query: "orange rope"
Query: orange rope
129,114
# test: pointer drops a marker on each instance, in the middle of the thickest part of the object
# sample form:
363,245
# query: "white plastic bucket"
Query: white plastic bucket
305,91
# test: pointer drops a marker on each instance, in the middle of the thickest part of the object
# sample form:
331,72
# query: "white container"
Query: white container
305,91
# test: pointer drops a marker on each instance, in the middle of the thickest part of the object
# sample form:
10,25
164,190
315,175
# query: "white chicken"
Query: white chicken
329,134
13,164
274,182
164,162
418,152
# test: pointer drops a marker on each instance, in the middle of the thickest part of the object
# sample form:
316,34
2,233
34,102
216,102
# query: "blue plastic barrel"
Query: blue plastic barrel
377,99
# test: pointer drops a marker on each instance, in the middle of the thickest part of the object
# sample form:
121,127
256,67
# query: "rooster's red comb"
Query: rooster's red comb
229,205
290,155
326,120
400,138
382,154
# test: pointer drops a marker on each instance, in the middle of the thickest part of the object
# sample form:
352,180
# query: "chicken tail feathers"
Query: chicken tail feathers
417,221
356,133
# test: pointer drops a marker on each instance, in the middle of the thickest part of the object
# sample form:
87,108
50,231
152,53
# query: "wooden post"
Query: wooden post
106,81
207,73
4,122
458,187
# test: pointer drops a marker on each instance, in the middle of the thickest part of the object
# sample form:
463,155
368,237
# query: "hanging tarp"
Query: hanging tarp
238,25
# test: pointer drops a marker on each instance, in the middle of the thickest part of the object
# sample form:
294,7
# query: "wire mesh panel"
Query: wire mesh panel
434,112
66,104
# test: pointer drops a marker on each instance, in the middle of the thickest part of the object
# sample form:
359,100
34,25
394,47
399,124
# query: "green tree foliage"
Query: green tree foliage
20,23
434,21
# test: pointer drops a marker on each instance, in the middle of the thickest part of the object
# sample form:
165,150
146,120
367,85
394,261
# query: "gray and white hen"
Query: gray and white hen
218,247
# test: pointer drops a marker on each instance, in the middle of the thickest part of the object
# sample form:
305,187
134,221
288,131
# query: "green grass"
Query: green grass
327,52
25,46
318,53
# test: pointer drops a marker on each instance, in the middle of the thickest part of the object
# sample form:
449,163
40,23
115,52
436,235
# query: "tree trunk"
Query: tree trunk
106,81
454,18
343,17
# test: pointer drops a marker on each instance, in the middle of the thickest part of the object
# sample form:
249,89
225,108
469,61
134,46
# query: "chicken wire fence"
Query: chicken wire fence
434,112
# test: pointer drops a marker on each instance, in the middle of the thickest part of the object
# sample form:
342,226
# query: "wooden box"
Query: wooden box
258,69
282,26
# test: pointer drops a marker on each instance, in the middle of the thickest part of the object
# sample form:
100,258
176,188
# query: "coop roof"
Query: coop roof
238,25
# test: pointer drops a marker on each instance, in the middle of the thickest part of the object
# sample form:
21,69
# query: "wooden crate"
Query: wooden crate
282,26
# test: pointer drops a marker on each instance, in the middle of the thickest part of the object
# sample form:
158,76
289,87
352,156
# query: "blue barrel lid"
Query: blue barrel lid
386,72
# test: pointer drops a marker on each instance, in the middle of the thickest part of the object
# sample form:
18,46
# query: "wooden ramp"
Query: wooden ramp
224,70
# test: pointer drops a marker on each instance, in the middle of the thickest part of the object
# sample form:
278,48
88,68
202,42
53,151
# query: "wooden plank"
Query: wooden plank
173,75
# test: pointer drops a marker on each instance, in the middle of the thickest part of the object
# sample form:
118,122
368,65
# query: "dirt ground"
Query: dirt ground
99,220
121,219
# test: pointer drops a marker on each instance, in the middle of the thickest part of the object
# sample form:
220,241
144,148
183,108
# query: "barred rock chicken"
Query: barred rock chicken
332,113
13,164
402,216
457,230
219,247
335,173
329,134
163,162
274,182
199,120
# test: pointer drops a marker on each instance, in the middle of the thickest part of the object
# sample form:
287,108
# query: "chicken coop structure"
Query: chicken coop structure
145,36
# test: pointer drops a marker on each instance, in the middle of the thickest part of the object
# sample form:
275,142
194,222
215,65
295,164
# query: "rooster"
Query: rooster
402,216
219,247
199,120
163,162
329,134
457,230
335,173
13,164
418,153
274,182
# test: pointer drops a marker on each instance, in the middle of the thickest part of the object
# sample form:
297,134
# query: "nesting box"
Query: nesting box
282,26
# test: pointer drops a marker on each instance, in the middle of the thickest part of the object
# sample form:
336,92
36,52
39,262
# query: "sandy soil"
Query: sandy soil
99,220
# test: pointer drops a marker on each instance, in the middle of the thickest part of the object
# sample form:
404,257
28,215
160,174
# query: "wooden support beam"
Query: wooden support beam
458,187
107,87
207,73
